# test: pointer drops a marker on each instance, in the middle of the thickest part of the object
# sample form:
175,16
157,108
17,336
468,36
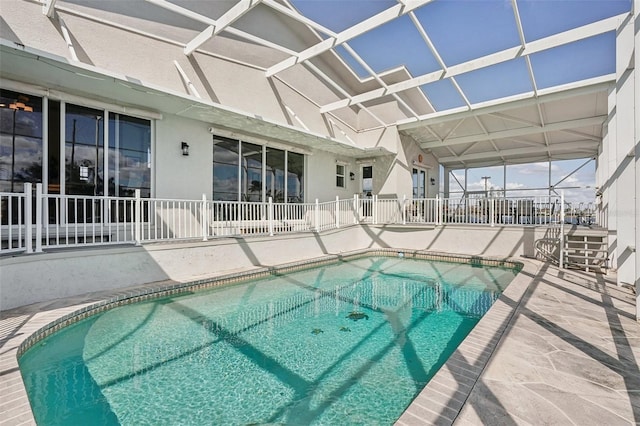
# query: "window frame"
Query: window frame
341,176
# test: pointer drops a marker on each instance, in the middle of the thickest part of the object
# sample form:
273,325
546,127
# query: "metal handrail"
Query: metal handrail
31,223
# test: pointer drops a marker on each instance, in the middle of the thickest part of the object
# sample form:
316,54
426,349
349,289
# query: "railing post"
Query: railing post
404,209
204,217
561,239
137,219
337,211
270,216
439,208
28,222
374,207
317,216
39,218
492,211
355,208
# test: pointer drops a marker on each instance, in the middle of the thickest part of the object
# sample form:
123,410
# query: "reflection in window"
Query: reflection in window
295,176
283,178
251,172
129,156
340,181
275,175
225,169
20,140
84,150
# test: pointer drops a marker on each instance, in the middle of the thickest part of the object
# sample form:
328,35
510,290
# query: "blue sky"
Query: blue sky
521,176
462,30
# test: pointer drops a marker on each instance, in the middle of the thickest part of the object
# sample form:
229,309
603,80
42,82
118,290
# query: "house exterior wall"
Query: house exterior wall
176,175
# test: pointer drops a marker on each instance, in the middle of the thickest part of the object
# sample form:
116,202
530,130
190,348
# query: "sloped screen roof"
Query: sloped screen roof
476,82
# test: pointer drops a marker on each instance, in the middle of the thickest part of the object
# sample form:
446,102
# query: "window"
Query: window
84,134
225,169
295,177
340,172
275,174
251,172
367,181
20,140
129,156
83,148
240,173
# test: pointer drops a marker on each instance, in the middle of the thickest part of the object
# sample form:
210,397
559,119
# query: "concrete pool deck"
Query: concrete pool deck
559,347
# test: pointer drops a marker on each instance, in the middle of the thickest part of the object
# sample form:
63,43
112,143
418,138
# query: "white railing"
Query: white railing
487,211
12,227
74,220
32,222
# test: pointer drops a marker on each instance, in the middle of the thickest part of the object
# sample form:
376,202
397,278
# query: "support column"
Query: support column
447,177
624,174
636,19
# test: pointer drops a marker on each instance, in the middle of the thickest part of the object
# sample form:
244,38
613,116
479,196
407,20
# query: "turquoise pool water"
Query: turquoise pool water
350,343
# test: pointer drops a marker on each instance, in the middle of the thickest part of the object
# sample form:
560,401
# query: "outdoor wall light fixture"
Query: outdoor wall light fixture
185,148
433,181
352,176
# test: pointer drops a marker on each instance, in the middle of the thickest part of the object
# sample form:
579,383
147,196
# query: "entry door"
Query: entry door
367,181
419,183
367,192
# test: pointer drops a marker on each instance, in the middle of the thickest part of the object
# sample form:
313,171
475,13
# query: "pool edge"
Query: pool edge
443,398
29,329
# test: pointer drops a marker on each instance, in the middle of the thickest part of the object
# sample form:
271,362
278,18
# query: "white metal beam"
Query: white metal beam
49,8
576,34
551,94
235,13
199,40
67,38
586,146
298,17
183,11
339,88
436,54
229,17
206,20
503,134
375,75
192,89
354,31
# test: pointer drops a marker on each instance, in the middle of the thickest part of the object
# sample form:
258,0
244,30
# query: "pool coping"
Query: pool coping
414,414
442,399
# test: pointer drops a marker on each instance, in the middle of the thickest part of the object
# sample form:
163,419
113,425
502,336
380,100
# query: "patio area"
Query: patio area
559,347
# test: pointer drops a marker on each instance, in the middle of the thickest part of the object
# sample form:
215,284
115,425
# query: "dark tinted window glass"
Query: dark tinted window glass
129,156
225,169
20,140
84,144
275,174
295,177
251,172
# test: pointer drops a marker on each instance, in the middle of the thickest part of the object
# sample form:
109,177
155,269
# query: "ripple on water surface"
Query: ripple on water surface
351,343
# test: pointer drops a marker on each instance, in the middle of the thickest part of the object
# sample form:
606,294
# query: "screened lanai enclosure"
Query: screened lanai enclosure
151,120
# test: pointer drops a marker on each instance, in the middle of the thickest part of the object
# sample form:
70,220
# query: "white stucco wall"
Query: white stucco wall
321,177
178,176
47,276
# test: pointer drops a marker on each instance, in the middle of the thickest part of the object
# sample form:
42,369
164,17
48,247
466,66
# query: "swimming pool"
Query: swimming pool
349,343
